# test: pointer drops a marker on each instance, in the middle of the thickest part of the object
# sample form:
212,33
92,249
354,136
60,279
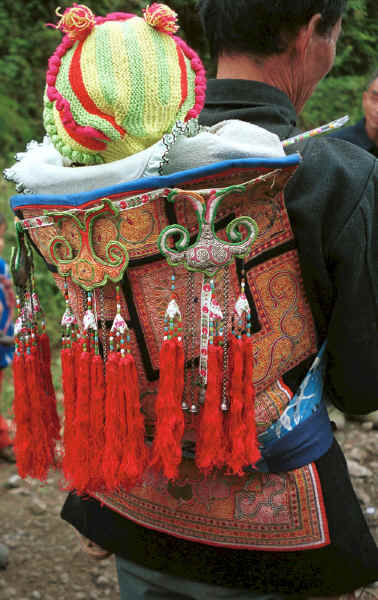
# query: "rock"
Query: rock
357,470
64,578
367,426
37,507
14,481
36,595
12,592
358,454
363,496
4,556
80,596
101,581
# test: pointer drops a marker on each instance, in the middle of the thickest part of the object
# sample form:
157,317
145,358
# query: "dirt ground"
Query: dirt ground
46,563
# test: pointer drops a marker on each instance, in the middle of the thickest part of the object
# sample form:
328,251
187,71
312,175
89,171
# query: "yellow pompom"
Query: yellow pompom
76,21
161,17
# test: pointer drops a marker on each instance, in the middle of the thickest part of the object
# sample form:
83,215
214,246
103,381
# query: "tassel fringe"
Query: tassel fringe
167,451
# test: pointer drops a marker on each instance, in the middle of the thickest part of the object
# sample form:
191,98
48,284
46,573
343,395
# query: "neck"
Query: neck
372,132
280,71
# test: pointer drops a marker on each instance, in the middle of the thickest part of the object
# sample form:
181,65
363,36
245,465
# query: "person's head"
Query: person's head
289,44
370,103
263,27
117,84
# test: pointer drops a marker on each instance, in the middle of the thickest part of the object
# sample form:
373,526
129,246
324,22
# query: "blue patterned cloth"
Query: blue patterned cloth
303,404
6,323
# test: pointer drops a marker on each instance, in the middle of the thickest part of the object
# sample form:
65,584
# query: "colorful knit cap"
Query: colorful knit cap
117,84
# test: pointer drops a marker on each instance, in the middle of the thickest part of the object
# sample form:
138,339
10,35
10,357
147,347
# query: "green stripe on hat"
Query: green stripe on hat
162,66
134,121
105,66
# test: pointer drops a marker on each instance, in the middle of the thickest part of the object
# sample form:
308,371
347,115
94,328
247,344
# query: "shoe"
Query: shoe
336,416
92,549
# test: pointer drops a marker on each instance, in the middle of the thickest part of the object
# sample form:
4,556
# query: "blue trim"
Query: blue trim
306,443
150,183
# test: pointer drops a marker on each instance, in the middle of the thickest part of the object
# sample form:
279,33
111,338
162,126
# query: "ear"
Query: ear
364,100
306,35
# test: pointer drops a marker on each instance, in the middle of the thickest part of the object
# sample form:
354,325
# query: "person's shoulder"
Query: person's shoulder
333,179
350,133
331,153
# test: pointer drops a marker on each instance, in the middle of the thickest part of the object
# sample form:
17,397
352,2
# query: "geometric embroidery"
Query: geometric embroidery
260,511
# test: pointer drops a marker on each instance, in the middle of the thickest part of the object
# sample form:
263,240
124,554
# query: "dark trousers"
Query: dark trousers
140,583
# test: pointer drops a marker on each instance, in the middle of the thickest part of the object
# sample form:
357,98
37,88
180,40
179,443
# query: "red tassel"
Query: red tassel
23,441
45,356
81,446
43,446
251,443
167,451
210,452
97,422
135,450
115,423
236,458
69,392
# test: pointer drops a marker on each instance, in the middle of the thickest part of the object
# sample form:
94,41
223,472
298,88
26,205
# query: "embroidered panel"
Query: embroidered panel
274,512
287,333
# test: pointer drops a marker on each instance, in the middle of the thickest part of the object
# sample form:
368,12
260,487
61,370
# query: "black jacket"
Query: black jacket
356,134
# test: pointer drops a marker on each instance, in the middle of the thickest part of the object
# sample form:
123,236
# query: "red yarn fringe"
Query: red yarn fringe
45,357
251,443
69,392
97,423
210,452
81,445
23,441
167,451
115,423
236,458
135,451
42,457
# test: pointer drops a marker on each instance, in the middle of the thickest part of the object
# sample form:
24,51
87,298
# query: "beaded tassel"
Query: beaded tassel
67,355
97,418
23,441
82,448
167,451
242,439
34,405
125,453
210,450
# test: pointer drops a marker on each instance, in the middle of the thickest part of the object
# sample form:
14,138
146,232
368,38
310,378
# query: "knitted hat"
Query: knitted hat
117,84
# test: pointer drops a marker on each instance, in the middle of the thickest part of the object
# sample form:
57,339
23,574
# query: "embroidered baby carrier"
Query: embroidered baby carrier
184,308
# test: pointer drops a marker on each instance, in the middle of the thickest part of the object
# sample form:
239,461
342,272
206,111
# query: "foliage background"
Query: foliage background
26,44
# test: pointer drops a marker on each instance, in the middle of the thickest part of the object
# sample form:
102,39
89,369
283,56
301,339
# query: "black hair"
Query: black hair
262,27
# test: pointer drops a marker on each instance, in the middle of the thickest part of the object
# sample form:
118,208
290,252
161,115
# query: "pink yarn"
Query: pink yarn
200,79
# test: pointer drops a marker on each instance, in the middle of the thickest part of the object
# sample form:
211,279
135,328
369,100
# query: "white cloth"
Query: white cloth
42,170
